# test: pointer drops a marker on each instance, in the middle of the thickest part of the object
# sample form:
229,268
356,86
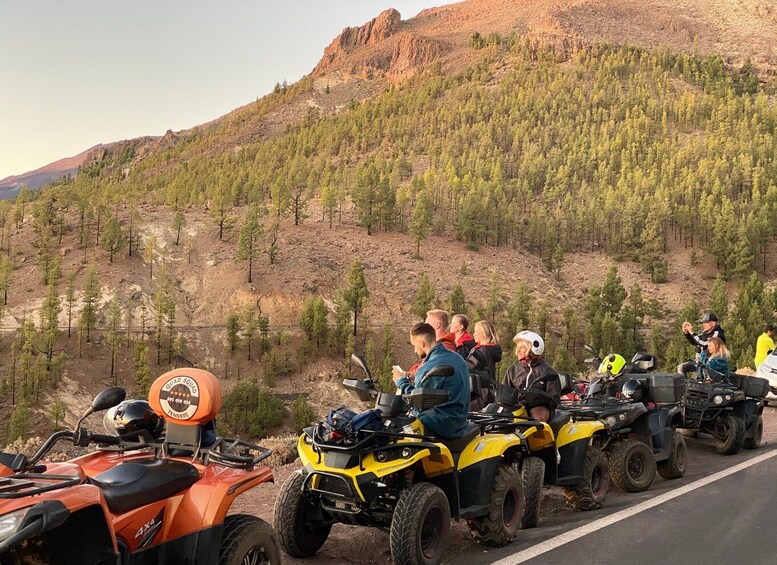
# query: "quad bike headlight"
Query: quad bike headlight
10,523
406,452
717,399
728,397
610,421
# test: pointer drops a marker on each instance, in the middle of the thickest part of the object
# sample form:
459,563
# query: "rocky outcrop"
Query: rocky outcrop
353,38
412,52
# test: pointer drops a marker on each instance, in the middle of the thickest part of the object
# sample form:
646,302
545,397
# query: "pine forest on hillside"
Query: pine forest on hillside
617,149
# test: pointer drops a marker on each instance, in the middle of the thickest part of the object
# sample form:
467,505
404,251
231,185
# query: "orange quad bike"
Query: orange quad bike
139,499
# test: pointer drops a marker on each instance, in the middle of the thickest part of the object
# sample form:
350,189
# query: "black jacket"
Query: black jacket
700,341
485,358
526,375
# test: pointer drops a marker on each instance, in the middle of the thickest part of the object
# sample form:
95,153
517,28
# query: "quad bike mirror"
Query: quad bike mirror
591,350
108,398
359,361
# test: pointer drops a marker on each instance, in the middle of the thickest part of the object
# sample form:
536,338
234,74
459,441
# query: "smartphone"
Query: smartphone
398,368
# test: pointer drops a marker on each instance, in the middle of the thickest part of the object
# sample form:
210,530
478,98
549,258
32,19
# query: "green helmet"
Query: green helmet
612,365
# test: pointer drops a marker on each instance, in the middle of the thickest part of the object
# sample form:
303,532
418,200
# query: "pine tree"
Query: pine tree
70,298
150,253
457,303
142,372
320,324
57,412
91,294
113,237
114,334
233,331
306,317
250,327
49,322
425,298
719,298
248,249
419,221
18,425
356,293
179,221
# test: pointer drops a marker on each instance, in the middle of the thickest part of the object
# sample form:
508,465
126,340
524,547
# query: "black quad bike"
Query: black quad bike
729,407
642,412
397,476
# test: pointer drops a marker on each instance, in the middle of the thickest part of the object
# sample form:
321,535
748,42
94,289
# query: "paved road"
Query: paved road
728,520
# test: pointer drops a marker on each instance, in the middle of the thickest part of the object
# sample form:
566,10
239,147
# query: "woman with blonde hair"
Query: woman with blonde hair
487,351
717,356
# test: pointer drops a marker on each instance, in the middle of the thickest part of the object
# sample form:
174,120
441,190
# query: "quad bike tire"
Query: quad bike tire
590,493
734,436
533,477
675,466
421,526
500,526
754,442
298,537
632,465
248,539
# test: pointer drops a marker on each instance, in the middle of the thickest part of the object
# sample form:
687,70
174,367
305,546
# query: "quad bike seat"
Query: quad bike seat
143,481
459,444
560,418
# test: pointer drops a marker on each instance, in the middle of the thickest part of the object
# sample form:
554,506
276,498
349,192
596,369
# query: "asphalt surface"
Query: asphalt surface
729,520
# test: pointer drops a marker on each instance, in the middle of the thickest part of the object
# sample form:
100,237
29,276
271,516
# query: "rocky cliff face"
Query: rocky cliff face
380,47
352,38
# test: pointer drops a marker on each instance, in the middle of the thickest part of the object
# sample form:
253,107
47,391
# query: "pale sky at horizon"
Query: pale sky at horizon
75,73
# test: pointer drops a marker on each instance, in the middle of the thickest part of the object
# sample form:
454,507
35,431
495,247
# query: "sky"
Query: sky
75,73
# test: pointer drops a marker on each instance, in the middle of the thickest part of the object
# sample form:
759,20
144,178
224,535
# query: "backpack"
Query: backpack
343,425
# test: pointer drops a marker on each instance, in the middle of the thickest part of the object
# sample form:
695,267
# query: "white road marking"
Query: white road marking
591,527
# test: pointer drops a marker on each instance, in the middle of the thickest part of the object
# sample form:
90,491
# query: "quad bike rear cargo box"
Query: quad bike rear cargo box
754,387
666,388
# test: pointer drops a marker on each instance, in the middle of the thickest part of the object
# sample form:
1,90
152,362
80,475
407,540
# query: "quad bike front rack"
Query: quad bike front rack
30,484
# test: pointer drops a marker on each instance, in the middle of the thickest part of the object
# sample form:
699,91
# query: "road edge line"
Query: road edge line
562,539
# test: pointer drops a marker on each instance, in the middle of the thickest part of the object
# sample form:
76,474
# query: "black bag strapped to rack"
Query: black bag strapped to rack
343,425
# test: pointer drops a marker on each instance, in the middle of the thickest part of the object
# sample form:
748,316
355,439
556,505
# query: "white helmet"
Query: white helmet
536,342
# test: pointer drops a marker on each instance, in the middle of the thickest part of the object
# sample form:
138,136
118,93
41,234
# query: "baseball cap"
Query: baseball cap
708,317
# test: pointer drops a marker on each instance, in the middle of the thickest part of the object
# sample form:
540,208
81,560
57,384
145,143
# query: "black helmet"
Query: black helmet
632,390
131,418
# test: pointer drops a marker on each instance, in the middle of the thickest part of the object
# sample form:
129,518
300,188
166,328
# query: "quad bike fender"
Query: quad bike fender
573,432
212,496
488,447
570,467
539,437
662,426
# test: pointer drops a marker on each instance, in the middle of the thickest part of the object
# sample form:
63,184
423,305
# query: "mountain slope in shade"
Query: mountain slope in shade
10,186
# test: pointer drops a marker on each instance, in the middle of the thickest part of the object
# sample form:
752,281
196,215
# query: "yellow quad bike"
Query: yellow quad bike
565,452
403,480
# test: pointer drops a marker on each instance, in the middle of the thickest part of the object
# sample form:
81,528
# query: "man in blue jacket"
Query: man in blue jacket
447,420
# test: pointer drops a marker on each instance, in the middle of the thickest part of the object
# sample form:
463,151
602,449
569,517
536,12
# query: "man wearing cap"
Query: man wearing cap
711,328
531,371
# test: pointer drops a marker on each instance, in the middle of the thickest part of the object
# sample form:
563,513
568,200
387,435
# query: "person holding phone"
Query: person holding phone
449,419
